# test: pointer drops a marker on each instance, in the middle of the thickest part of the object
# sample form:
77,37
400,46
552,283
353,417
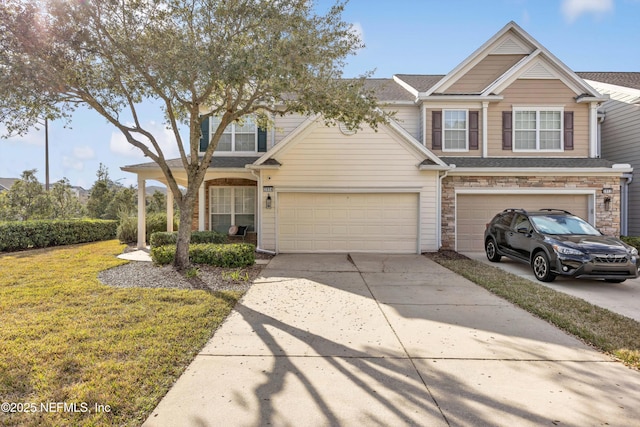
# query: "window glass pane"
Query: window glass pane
221,223
550,140
525,140
550,120
245,200
525,120
220,200
246,142
246,219
225,143
455,140
247,126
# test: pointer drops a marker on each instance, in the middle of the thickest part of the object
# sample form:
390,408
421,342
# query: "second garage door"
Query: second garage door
349,222
474,211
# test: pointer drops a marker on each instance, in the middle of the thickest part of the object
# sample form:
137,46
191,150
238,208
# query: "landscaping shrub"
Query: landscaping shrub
220,255
19,235
633,241
164,238
155,223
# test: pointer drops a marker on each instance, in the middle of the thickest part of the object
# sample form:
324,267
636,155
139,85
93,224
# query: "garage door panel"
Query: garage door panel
474,211
362,222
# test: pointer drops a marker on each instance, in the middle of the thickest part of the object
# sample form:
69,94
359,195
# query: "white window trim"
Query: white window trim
233,205
233,139
537,109
466,134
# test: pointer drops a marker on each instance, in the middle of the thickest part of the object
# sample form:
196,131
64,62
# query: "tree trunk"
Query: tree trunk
181,261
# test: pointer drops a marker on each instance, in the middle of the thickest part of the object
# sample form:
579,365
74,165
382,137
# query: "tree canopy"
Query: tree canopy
228,58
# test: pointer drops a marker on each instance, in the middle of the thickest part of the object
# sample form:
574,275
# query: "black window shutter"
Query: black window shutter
507,130
262,140
568,130
204,135
436,130
473,130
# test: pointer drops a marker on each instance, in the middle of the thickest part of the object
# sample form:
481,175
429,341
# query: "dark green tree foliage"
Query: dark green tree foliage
64,202
26,199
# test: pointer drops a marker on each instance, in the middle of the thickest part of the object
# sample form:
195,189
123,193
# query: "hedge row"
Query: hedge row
633,241
234,255
162,238
19,235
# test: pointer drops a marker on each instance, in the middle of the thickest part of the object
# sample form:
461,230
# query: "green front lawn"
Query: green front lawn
67,339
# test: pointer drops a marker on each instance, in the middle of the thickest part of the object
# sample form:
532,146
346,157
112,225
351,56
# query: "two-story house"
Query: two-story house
510,127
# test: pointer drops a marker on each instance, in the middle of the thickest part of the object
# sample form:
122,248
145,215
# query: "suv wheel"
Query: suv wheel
541,267
491,250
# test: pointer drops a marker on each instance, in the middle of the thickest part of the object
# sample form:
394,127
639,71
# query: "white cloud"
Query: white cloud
119,145
572,9
356,29
72,163
83,153
34,137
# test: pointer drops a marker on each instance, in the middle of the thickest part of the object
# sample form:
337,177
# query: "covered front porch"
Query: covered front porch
227,197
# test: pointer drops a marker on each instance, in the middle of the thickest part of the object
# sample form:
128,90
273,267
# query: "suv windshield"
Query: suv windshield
562,224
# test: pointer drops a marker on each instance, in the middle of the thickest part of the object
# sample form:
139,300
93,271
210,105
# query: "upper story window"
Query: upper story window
537,129
455,130
237,137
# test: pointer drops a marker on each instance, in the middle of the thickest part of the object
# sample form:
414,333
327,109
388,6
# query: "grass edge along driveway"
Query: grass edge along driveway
603,329
76,352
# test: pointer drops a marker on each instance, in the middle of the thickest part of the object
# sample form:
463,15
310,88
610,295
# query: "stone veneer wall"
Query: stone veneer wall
606,221
220,182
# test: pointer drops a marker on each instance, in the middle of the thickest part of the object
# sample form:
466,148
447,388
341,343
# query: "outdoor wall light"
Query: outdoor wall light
268,201
607,203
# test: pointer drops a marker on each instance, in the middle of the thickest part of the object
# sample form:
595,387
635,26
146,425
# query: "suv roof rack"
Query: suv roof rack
557,210
515,210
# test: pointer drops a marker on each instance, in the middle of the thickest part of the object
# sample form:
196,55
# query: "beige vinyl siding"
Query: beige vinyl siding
285,125
322,159
620,142
408,117
484,73
429,129
539,93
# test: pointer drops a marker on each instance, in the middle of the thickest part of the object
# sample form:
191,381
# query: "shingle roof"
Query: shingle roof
526,162
421,82
388,90
222,162
7,183
626,79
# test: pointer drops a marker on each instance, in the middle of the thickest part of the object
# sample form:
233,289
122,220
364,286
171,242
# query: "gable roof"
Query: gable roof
387,90
510,40
626,79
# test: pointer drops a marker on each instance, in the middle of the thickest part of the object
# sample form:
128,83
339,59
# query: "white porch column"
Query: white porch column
142,212
201,207
593,130
485,129
169,210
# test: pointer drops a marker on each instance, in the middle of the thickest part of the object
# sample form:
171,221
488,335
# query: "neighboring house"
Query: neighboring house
620,135
510,127
7,183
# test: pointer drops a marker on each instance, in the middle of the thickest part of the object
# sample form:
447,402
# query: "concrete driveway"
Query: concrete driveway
622,298
375,340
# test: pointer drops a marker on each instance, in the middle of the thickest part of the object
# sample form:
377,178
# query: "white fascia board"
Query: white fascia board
413,91
474,98
415,144
585,99
262,167
538,171
511,74
471,60
292,136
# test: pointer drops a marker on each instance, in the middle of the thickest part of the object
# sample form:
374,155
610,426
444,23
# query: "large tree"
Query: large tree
199,58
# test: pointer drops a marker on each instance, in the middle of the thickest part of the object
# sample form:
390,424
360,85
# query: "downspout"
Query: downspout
624,204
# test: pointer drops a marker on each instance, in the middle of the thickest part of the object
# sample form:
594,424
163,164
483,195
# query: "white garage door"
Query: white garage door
474,211
353,222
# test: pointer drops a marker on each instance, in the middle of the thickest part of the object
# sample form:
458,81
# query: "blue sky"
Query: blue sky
401,36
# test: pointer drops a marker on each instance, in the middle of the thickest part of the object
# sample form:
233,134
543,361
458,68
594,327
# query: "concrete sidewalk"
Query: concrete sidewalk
332,340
